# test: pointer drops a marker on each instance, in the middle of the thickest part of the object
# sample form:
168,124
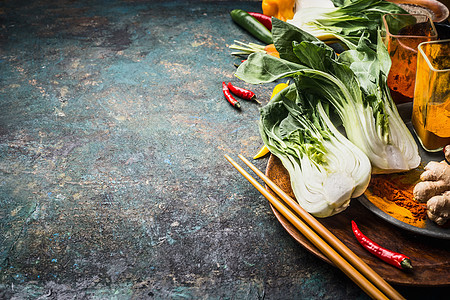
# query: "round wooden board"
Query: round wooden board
430,256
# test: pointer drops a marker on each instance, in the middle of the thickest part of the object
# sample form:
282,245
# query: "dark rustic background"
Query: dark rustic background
113,184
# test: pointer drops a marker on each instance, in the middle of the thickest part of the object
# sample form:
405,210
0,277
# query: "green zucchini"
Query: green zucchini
253,26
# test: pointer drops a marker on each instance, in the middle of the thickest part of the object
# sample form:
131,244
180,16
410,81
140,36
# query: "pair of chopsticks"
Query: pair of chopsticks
346,260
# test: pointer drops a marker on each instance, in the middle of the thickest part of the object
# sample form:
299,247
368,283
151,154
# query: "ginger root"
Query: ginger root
438,208
435,181
435,189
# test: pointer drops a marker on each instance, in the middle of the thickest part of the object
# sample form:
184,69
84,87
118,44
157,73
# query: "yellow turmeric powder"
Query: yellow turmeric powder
394,195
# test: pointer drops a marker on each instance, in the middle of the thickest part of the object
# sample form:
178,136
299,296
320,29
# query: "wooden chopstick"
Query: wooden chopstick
317,241
331,239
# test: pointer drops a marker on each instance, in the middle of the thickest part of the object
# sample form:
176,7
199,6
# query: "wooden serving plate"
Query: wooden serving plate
430,256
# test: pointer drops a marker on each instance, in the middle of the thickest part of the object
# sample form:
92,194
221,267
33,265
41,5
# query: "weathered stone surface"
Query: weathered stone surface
113,184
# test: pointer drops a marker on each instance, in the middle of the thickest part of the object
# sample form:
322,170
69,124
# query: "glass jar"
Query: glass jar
402,33
431,105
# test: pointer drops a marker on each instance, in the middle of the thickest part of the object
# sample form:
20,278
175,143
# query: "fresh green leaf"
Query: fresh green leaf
284,34
263,68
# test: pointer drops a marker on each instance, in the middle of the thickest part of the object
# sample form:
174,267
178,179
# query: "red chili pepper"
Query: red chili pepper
398,260
263,19
242,93
229,97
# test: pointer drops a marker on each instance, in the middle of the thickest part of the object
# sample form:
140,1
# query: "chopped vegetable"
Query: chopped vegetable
354,84
264,19
229,97
242,93
300,133
271,50
278,88
280,9
253,26
398,260
262,152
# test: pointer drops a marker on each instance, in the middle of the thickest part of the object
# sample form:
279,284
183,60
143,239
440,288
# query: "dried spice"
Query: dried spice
383,186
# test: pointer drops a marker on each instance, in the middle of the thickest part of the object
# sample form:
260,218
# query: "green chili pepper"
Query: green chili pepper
252,25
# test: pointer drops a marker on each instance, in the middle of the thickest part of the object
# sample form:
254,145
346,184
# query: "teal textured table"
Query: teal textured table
113,183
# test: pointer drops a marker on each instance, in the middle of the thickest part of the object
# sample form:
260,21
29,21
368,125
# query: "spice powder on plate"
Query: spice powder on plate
393,193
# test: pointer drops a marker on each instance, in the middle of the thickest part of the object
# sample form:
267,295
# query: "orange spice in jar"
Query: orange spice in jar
402,33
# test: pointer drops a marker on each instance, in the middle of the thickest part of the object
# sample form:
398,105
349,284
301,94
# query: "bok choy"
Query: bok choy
355,85
393,137
311,149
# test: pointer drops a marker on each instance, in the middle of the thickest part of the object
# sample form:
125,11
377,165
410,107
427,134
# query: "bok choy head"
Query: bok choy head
355,86
371,67
300,133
